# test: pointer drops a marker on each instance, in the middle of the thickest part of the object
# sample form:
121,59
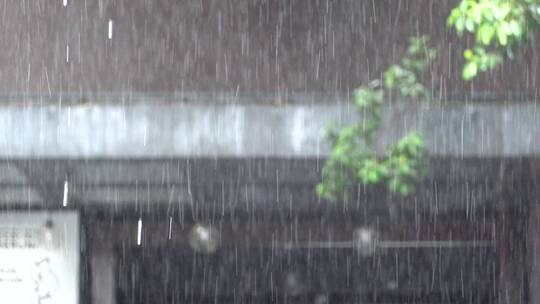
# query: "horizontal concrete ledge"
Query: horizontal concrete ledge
160,131
242,187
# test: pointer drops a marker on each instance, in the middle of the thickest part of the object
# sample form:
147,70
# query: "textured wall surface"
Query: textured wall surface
157,131
272,47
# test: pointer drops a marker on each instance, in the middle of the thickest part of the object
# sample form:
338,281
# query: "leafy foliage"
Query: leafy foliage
498,27
353,160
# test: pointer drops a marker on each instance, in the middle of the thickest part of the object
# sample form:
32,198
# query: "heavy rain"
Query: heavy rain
269,151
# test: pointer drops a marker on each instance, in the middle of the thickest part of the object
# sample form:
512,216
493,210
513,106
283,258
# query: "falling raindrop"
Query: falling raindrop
170,227
139,232
64,2
65,198
110,28
67,53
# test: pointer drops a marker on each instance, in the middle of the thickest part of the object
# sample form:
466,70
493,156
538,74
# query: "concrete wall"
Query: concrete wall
158,131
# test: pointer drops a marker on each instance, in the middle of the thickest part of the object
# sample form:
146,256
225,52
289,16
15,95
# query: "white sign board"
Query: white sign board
39,257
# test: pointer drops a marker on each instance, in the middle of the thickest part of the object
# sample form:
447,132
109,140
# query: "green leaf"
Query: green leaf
393,184
460,26
470,70
319,189
515,28
405,189
476,13
502,34
485,34
373,177
469,25
468,54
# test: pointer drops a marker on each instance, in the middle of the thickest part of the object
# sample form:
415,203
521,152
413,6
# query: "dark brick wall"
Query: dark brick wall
236,46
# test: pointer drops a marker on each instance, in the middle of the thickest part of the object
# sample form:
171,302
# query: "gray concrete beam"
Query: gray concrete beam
162,131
